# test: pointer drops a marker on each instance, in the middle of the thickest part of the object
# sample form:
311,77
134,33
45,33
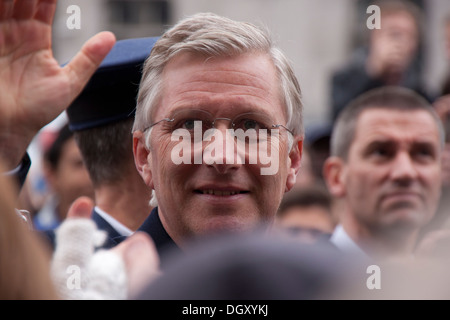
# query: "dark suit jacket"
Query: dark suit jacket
24,168
165,246
111,233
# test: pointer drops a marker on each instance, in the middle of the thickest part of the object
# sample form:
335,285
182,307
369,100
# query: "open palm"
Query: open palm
34,89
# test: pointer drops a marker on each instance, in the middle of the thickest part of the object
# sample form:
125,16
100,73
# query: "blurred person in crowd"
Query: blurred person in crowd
25,261
67,179
442,108
388,60
209,76
80,271
35,89
445,90
29,271
306,213
102,117
35,189
317,141
305,176
386,165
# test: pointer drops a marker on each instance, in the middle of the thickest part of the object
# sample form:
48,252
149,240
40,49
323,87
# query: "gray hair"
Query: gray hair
211,35
387,97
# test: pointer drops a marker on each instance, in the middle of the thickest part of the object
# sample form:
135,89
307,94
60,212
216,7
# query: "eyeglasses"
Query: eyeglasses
249,123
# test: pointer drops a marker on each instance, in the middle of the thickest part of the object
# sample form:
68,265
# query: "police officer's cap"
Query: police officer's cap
110,94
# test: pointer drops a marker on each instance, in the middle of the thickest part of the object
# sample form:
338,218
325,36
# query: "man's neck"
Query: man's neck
128,202
386,244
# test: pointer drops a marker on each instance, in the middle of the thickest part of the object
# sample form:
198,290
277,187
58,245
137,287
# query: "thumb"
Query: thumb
87,60
81,208
75,245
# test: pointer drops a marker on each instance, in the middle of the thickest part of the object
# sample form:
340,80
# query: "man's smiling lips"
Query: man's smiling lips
220,191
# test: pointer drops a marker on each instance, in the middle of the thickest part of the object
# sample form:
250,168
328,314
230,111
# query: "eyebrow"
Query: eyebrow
238,109
378,143
426,144
392,143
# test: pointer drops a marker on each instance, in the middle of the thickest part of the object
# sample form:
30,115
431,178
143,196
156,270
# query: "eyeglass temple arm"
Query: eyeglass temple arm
154,124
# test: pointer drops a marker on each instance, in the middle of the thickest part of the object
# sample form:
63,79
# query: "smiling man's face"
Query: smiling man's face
198,199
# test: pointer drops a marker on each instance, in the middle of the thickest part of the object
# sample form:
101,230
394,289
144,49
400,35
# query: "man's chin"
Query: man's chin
227,225
405,218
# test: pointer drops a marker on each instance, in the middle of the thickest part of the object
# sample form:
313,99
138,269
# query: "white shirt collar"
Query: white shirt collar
13,171
120,228
343,242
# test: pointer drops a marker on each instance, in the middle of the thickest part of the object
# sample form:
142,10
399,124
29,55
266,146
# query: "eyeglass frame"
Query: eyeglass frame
215,119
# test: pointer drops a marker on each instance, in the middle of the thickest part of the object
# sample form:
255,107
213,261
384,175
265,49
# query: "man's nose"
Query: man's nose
404,168
222,153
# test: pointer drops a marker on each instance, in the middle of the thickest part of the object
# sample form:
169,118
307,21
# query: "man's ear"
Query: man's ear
142,158
295,156
333,173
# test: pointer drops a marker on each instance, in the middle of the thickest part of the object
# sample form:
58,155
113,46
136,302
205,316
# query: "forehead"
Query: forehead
399,19
396,125
242,83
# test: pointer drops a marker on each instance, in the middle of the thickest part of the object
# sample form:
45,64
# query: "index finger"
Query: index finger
45,11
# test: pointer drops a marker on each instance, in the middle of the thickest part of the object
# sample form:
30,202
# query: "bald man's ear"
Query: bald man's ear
142,158
295,159
334,174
